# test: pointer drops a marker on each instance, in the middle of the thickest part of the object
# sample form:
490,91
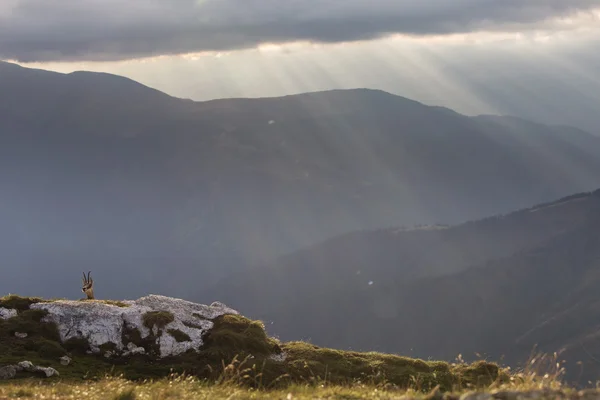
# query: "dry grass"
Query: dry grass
542,376
190,388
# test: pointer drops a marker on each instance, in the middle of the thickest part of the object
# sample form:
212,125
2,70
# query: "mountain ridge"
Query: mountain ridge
442,109
127,181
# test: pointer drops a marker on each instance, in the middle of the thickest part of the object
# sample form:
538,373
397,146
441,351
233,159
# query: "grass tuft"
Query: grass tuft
115,303
77,345
22,394
127,394
179,335
19,303
157,318
234,335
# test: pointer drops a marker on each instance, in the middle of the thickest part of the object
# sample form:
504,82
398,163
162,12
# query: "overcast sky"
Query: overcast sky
535,58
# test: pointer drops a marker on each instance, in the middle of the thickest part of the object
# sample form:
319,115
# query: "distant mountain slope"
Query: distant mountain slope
99,172
497,287
402,256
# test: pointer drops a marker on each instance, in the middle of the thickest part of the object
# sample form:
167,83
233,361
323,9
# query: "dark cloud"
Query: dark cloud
42,30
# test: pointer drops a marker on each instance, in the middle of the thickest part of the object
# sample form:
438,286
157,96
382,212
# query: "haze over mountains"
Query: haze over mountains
496,287
159,194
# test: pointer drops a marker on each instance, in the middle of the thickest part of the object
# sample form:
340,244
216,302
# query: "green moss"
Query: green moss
157,318
191,325
234,335
30,322
133,335
308,362
479,373
77,345
33,315
179,336
17,324
19,303
42,344
108,346
49,349
44,348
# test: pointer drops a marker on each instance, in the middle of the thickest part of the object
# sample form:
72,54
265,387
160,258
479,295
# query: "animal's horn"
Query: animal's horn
84,279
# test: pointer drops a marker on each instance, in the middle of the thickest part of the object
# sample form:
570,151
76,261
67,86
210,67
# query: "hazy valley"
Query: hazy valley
496,287
102,173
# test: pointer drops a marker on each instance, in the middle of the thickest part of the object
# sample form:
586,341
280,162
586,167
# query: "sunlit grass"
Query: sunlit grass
539,379
190,388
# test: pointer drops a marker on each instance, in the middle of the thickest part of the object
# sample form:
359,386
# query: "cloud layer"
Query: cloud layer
42,30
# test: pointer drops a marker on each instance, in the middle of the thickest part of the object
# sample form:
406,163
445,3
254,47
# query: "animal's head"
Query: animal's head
88,286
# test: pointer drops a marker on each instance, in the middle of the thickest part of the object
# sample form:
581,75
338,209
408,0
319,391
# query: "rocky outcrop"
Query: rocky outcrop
171,326
10,371
6,313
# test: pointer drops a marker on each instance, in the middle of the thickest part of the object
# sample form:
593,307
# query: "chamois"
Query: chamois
88,286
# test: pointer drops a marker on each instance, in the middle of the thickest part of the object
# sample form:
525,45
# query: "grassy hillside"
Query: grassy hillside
237,362
235,349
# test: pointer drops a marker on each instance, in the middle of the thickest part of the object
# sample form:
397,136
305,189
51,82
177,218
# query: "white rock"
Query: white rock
98,323
132,349
49,371
21,335
101,323
8,372
137,350
25,365
6,313
65,360
476,396
278,357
